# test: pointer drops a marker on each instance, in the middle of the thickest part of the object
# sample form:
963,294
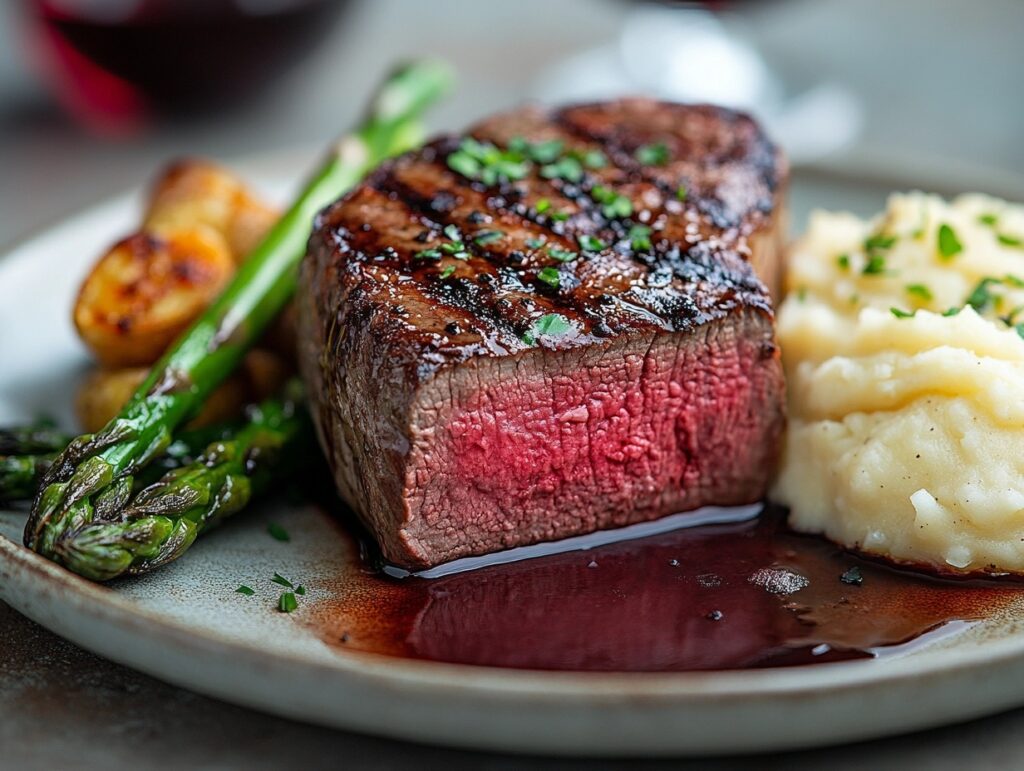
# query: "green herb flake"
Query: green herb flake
277,532
552,325
843,261
652,155
640,238
853,576
246,590
1007,240
1019,329
428,254
301,590
949,244
875,265
920,291
589,243
560,216
989,219
550,276
951,311
594,159
448,270
560,254
567,168
464,164
879,241
535,243
485,237
545,152
287,603
543,205
617,206
452,233
681,193
981,297
901,314
282,581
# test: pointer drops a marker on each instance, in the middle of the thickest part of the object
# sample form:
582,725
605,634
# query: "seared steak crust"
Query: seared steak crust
427,296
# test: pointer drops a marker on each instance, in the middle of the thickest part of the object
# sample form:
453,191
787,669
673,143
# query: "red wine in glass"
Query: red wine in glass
114,62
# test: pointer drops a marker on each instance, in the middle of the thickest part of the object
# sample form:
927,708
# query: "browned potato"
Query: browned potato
104,391
194,192
146,290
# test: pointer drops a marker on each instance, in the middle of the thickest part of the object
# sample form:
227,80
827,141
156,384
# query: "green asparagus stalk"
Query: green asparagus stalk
25,454
163,519
92,479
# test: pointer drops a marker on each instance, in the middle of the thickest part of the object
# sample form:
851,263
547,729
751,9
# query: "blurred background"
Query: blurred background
866,95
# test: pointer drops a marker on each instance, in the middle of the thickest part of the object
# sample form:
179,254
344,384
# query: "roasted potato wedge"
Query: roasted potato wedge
103,392
146,290
194,192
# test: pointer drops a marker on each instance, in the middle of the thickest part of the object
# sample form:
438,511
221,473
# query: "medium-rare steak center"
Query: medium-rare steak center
556,324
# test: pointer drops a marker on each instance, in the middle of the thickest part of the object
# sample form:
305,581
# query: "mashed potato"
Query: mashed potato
903,341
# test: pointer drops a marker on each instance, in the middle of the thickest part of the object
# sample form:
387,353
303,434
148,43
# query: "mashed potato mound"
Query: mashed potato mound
903,342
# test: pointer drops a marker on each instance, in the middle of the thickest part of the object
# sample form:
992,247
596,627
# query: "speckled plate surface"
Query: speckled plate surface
186,624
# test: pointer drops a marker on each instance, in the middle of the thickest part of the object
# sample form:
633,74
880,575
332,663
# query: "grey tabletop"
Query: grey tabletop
935,87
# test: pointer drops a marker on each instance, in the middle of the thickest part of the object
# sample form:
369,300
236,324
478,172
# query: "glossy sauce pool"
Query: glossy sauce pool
738,595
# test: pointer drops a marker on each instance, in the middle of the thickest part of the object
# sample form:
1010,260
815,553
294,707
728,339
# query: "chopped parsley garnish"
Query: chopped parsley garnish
301,590
448,270
282,581
920,291
989,219
652,155
613,204
543,205
485,237
949,244
287,603
1007,240
560,216
875,265
878,241
951,311
545,152
594,159
428,254
981,297
567,168
488,163
535,243
843,261
278,532
901,314
550,276
452,233
1019,329
681,193
246,590
552,324
640,238
852,577
560,254
590,243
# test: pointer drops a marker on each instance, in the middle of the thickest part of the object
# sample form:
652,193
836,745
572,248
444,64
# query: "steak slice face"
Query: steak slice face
558,325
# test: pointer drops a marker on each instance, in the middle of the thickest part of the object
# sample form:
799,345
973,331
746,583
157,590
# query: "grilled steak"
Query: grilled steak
557,324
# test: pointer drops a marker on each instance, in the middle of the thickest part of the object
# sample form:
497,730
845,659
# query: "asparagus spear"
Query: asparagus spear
92,479
163,519
25,454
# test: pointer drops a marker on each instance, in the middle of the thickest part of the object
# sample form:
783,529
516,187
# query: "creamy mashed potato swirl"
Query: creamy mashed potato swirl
905,367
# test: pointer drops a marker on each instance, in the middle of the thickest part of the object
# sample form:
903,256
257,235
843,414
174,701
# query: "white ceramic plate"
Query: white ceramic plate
186,625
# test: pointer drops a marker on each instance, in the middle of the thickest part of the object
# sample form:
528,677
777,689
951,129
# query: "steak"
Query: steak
558,323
